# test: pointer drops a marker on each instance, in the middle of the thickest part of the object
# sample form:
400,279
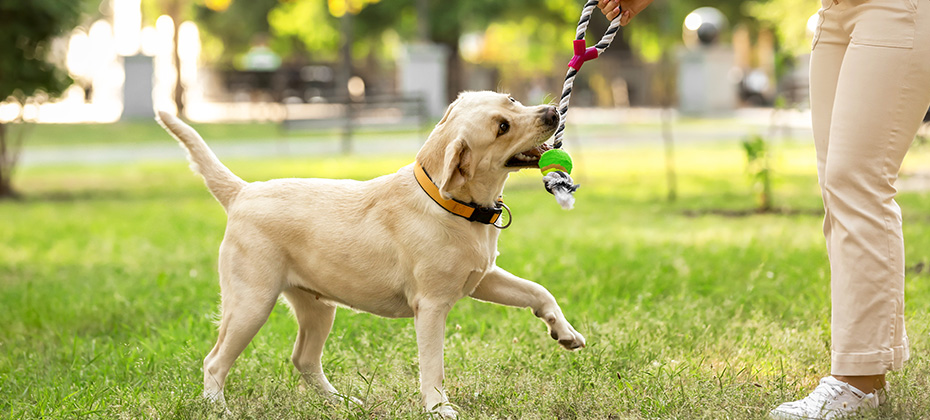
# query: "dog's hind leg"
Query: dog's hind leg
315,320
248,297
499,286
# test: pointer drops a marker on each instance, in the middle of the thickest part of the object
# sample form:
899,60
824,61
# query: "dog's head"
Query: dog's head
482,137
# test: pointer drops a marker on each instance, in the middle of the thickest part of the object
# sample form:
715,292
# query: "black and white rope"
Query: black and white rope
612,30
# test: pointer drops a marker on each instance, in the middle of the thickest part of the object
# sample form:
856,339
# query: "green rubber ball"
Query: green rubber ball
555,160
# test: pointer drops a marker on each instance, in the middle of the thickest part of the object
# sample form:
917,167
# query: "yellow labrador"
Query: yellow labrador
408,244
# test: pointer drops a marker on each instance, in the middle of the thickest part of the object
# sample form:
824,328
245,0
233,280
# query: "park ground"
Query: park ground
696,308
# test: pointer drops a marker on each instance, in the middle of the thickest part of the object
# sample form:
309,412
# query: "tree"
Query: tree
316,25
522,39
232,30
788,19
27,28
759,165
178,11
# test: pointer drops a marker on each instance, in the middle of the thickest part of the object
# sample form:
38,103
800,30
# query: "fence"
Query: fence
384,113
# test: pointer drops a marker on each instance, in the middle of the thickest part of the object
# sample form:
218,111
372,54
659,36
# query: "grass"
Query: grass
109,297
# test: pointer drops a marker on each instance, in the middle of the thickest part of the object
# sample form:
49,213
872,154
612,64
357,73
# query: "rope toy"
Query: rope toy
556,164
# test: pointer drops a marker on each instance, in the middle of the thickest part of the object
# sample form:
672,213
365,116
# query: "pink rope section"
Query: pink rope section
582,54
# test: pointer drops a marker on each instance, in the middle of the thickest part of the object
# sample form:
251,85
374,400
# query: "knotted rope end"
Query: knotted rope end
561,185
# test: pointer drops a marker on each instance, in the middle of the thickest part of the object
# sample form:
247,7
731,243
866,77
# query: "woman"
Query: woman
870,86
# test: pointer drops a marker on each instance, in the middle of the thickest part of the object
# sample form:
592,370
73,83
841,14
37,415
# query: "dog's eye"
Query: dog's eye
503,128
512,99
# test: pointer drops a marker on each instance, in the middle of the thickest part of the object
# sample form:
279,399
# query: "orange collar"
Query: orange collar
470,211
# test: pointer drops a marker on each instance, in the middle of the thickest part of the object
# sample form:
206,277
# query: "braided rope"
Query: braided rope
573,71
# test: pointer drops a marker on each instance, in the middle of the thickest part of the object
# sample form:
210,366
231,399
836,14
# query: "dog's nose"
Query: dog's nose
551,117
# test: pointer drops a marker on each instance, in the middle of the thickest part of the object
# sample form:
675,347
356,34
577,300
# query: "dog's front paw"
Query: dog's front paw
560,330
571,340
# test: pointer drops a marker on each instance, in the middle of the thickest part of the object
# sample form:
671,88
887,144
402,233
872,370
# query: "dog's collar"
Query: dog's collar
469,211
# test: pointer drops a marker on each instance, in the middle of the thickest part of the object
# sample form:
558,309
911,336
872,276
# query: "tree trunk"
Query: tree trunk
422,20
178,87
667,74
175,10
342,81
454,71
8,156
668,140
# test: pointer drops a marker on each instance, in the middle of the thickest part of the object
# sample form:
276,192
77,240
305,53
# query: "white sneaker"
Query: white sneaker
831,399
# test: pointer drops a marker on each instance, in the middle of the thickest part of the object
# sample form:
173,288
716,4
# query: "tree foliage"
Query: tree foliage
307,22
659,27
313,26
520,37
231,31
27,28
788,18
529,32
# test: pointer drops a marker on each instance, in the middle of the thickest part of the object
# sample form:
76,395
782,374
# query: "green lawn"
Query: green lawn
109,296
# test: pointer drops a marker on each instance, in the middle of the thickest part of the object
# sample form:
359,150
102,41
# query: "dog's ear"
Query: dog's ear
457,167
449,109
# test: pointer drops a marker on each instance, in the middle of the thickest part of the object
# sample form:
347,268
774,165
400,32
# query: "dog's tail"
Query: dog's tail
222,183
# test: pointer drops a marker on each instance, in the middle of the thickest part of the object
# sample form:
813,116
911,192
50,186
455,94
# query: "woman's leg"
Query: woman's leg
870,83
826,61
882,90
830,43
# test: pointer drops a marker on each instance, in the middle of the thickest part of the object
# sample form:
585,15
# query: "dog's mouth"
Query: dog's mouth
528,158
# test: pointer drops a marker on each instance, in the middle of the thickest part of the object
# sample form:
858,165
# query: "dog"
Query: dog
408,244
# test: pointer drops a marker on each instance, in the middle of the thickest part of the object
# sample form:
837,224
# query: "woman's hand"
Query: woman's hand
630,8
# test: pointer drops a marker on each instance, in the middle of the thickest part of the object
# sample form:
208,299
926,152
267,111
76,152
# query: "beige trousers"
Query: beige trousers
870,86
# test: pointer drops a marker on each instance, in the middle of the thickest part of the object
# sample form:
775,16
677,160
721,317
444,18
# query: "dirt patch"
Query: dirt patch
736,213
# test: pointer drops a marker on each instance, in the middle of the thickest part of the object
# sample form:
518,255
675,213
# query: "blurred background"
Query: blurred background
223,60
338,68
311,77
